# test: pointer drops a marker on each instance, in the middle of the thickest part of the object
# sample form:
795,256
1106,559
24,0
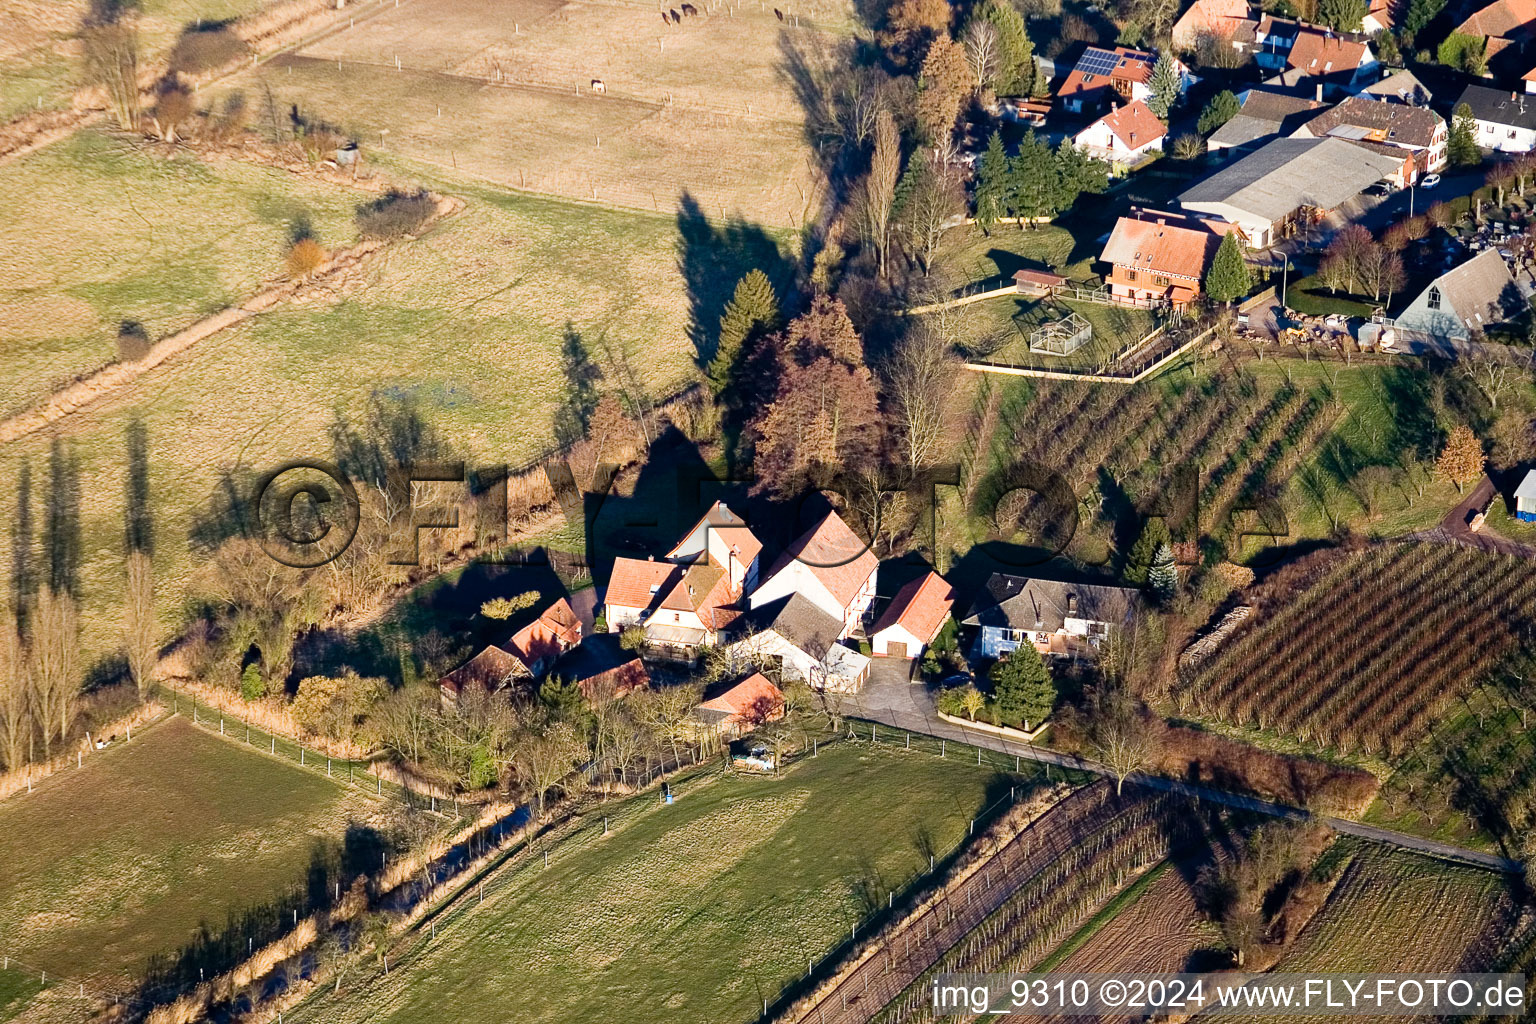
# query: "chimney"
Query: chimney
1071,604
1162,221
1319,92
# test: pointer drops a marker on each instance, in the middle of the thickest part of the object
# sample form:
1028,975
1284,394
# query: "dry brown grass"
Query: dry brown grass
31,774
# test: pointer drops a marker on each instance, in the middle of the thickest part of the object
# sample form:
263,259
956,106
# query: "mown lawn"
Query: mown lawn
122,859
695,911
95,230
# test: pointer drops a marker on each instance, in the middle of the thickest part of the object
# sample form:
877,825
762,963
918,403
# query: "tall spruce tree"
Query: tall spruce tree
994,184
1154,534
1163,577
1079,173
1036,180
1023,687
1166,84
1461,149
1229,278
753,310
1015,53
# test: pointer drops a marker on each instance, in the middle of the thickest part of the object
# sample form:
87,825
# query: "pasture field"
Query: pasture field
469,321
112,863
1393,912
40,65
95,230
691,911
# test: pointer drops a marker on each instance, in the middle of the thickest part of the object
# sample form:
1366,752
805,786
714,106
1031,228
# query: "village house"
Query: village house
1312,55
913,618
602,669
1367,120
1506,27
722,538
1059,619
1157,257
490,671
740,708
1220,20
1263,117
1506,121
799,640
1378,17
1464,301
1124,135
1101,77
831,567
1400,87
1288,184
555,631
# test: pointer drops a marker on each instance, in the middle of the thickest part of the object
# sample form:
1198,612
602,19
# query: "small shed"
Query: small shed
1037,282
1525,499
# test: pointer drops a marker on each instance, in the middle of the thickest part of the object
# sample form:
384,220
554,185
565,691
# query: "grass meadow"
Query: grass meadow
469,321
161,240
124,858
696,910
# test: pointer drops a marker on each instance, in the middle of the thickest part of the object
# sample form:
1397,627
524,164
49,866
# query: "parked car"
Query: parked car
1430,181
1381,188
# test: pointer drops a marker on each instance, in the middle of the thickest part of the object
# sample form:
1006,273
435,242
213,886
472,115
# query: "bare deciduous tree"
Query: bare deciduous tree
15,693
981,51
112,62
55,665
879,192
1495,378
139,621
920,377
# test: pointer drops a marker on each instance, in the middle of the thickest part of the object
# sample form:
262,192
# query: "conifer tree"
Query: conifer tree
994,184
1462,146
1163,577
1015,53
1154,534
1166,84
753,310
1023,686
1229,278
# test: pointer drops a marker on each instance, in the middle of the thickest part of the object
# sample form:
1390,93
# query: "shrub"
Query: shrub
505,607
632,638
206,49
133,341
395,214
305,257
252,686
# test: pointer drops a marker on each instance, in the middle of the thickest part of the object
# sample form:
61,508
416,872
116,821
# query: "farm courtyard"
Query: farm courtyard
126,858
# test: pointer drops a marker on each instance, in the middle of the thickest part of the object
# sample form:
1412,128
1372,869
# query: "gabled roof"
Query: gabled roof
753,700
1321,52
1164,243
1287,174
690,587
1097,68
1133,124
1503,18
491,669
800,621
1276,106
1218,18
615,682
1401,87
1264,115
599,664
1391,123
730,527
638,582
920,607
1527,488
835,555
1496,106
1019,602
547,636
1382,11
1481,291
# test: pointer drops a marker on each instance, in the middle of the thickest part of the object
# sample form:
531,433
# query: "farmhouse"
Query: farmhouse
1506,121
1525,498
1319,56
1464,301
831,567
1102,76
681,607
1264,116
544,639
913,618
1214,19
602,669
722,538
742,707
1124,134
1059,619
798,638
1160,257
1289,183
1419,130
1504,26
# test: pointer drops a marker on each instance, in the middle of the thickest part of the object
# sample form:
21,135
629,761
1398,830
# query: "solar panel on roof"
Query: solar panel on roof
1097,62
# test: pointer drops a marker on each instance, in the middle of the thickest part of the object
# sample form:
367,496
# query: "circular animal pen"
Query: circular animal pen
1061,337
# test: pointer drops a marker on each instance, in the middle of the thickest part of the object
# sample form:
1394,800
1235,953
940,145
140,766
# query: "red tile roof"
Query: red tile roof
1132,66
731,528
835,555
1219,18
615,682
1320,52
547,636
753,700
491,669
703,589
1134,124
1164,243
635,582
920,607
1502,18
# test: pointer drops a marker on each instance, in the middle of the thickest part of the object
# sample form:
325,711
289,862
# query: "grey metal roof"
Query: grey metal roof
1481,290
1527,488
1515,109
1242,130
1286,174
1019,602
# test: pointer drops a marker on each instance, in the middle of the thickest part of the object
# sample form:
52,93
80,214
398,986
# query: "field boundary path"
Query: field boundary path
1456,527
101,384
880,978
909,706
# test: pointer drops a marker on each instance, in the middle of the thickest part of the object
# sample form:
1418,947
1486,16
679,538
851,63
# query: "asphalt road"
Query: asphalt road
891,701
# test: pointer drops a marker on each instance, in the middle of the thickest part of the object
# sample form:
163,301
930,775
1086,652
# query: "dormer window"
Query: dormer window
1434,298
